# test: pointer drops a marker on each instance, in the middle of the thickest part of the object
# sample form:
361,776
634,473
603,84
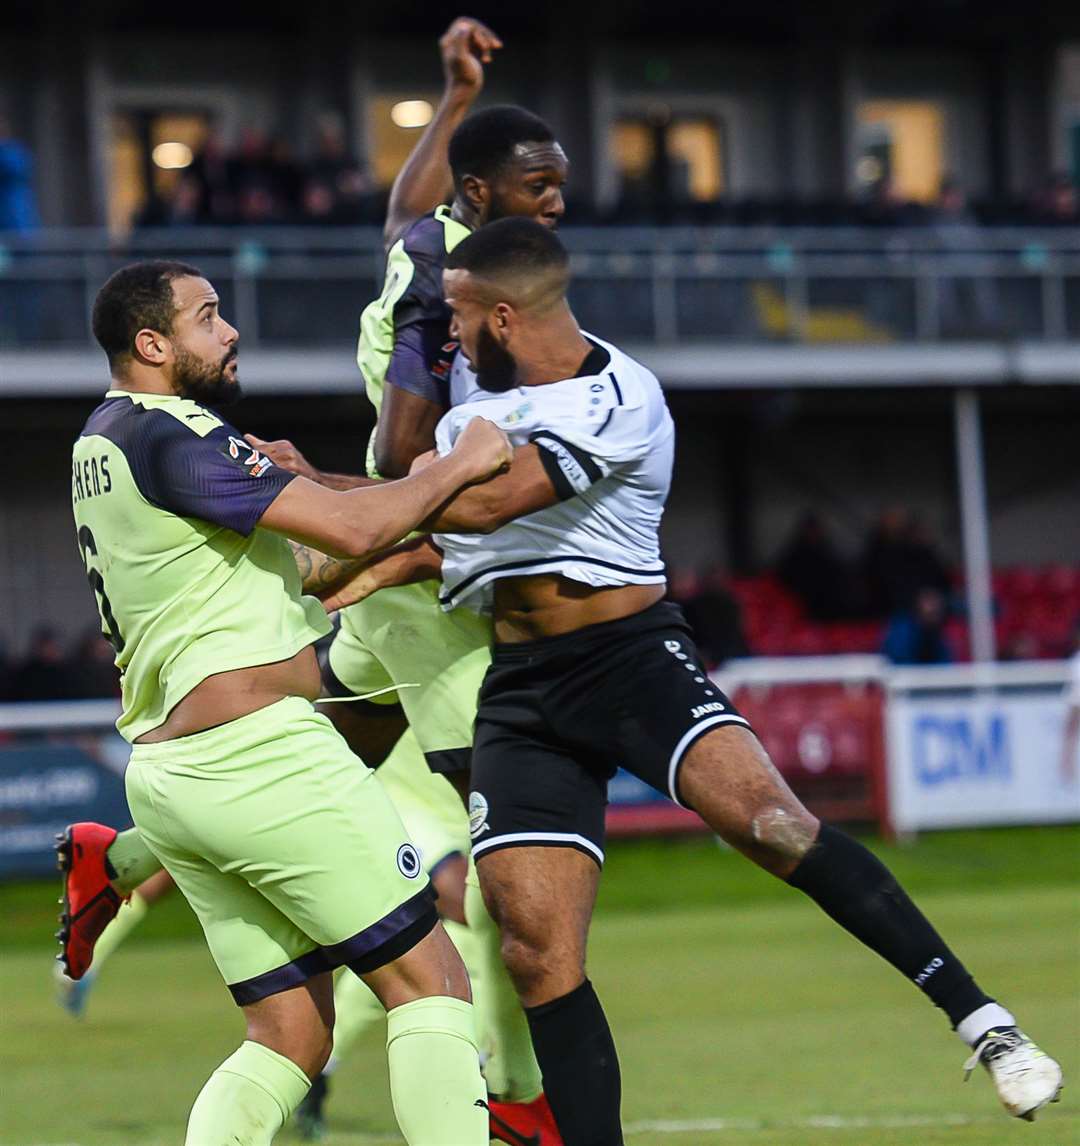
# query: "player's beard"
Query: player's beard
205,382
496,370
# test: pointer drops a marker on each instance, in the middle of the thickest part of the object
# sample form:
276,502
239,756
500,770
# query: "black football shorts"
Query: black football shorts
557,716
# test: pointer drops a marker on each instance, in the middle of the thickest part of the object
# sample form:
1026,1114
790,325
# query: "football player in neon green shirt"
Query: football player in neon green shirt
288,850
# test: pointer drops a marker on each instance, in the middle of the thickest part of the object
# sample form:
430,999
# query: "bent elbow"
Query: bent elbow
353,541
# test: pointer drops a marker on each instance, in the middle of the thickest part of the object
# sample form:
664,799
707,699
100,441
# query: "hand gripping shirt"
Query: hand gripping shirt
167,500
607,442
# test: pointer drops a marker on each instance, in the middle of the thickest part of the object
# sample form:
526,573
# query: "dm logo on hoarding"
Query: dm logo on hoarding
962,749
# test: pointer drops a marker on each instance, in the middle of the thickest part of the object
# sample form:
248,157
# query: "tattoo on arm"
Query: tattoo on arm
320,572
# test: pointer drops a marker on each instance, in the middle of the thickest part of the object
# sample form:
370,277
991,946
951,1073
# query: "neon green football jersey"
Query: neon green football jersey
167,500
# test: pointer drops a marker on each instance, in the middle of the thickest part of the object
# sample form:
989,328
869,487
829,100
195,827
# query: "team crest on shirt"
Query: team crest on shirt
255,463
517,415
408,861
478,814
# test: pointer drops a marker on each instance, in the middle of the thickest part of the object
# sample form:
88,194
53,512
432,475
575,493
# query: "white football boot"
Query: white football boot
1025,1077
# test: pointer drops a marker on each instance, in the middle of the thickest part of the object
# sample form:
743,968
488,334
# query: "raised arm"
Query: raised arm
424,182
358,522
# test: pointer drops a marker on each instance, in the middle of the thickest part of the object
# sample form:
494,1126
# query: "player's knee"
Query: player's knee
782,834
524,961
540,967
309,1045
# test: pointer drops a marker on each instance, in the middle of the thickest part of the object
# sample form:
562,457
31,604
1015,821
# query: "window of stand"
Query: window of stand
901,143
666,158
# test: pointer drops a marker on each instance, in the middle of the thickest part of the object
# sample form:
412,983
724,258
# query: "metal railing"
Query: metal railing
306,286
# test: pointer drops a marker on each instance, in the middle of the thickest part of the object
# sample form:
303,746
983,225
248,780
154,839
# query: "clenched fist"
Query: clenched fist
483,448
466,46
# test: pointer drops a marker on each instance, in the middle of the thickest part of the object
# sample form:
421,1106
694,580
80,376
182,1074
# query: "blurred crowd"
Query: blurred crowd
51,670
262,181
895,595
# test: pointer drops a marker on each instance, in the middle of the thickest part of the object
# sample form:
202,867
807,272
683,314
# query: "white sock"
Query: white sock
979,1022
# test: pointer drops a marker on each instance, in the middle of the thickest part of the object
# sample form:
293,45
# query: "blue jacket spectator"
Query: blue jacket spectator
917,637
18,210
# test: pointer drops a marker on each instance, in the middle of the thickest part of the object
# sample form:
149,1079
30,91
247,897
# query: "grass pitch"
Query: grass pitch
743,1017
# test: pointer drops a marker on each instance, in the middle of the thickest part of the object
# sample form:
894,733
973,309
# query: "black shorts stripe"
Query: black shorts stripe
367,946
381,943
280,979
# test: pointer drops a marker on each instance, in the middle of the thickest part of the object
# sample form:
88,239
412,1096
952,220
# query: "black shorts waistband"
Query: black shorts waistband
661,615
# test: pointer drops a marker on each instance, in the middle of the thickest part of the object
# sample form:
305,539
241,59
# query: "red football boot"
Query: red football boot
524,1123
89,902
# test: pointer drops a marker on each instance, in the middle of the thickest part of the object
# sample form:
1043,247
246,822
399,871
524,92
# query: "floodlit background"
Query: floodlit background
847,239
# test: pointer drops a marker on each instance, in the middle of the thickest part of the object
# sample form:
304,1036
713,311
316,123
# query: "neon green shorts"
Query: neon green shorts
401,636
430,809
286,846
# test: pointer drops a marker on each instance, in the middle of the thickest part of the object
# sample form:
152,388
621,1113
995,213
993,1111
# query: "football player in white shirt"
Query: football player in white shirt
592,669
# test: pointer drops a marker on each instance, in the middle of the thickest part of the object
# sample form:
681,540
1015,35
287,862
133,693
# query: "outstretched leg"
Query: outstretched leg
727,777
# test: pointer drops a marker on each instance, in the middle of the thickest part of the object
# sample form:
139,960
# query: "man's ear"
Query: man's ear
152,347
477,193
504,316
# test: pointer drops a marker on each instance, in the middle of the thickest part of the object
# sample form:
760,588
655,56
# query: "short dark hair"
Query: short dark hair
512,245
485,141
134,297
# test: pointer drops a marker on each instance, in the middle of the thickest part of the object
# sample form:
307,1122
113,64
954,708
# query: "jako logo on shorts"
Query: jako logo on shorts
478,814
408,861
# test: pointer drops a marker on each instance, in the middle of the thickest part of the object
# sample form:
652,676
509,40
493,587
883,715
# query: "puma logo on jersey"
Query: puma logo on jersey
700,710
257,464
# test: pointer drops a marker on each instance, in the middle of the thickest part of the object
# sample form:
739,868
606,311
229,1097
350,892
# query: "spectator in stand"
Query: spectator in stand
899,560
887,207
811,568
713,613
184,207
334,175
18,208
210,170
20,317
917,636
92,667
256,189
44,673
1055,204
285,177
967,306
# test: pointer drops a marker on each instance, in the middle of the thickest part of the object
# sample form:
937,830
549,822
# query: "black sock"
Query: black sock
577,1058
855,888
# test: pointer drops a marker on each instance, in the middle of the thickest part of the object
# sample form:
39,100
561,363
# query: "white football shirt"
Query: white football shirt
608,444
